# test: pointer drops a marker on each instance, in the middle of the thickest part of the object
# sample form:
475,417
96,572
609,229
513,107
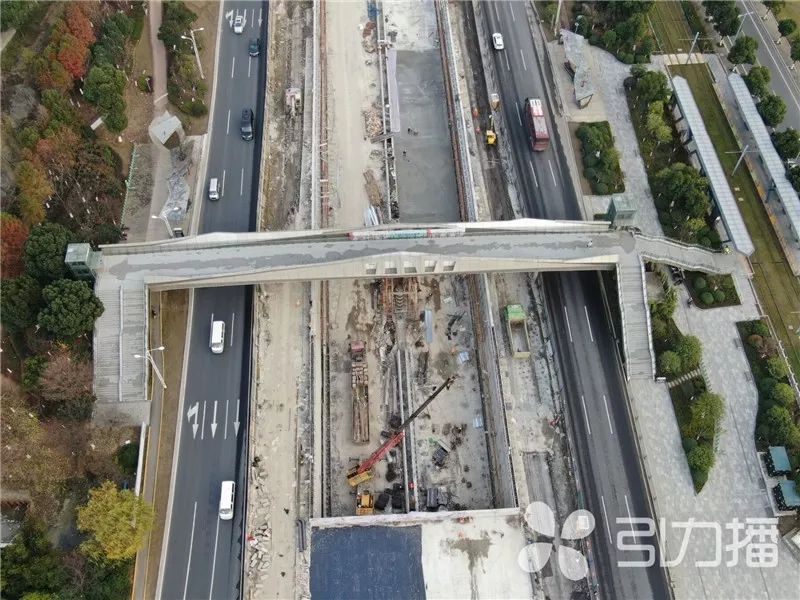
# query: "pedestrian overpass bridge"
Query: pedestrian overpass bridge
126,272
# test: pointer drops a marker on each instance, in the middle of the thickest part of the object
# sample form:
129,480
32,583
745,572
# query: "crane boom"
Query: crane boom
395,440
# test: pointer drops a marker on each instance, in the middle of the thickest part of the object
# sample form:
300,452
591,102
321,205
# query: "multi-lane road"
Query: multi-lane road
595,390
203,553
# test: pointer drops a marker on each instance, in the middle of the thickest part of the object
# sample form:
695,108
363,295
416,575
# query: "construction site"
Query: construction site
392,423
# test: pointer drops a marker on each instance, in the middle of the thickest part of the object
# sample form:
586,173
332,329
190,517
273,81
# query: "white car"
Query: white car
238,24
497,41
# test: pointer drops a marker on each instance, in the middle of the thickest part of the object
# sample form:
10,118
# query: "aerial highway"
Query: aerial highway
202,555
595,390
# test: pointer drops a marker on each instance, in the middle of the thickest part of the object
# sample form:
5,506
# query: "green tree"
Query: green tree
772,109
653,87
20,300
30,564
774,6
793,174
777,368
794,47
117,521
743,51
782,430
690,350
701,458
681,186
757,81
656,124
15,13
70,309
176,21
725,14
45,251
783,394
105,87
669,363
787,143
786,27
706,411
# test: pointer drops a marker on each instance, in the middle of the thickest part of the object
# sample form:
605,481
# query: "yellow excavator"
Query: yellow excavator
365,503
491,134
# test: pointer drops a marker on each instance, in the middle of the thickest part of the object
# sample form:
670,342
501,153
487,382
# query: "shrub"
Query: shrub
660,330
669,363
707,298
777,367
699,479
690,351
700,283
689,444
701,458
765,385
760,328
127,457
719,296
32,370
783,395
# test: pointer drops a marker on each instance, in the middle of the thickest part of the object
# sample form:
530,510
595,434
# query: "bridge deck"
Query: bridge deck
251,258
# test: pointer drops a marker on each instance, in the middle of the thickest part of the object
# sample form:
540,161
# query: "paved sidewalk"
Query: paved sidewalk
159,58
734,489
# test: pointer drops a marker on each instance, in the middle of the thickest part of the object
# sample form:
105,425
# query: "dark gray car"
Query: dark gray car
247,124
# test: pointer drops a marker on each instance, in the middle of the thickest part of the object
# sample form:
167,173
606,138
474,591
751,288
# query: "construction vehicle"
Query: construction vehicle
359,383
537,125
363,472
517,328
365,504
491,134
494,101
292,101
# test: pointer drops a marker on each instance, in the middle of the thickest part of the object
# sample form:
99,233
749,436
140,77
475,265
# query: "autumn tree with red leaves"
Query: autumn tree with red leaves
79,24
13,234
73,54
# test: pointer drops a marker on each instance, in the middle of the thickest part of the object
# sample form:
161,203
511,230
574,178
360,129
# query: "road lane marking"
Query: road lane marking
608,415
189,561
233,322
192,412
569,329
496,14
586,312
553,173
511,8
586,416
214,421
259,18
508,64
225,432
519,116
222,191
236,422
214,562
233,66
203,424
536,181
522,56
605,518
241,183
228,126
630,518
249,63
253,17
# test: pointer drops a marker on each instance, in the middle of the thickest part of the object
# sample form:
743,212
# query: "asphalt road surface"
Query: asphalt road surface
768,55
595,389
204,553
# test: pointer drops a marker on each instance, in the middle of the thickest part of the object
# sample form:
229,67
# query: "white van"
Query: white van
213,189
226,496
217,341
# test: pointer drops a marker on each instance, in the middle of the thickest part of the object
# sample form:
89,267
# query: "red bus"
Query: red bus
537,126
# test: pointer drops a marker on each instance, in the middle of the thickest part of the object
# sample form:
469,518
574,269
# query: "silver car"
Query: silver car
238,24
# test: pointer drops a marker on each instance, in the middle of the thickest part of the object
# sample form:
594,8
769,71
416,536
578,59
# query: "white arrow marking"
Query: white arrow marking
214,420
236,422
227,402
203,426
192,412
259,17
229,16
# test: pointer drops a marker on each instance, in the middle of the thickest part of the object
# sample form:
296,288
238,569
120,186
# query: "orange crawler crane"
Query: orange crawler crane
363,472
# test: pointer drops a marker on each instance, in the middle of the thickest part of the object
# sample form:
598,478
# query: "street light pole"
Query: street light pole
741,24
196,53
164,219
149,357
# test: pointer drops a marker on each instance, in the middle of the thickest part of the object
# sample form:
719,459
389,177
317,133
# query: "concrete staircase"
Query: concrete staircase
639,362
